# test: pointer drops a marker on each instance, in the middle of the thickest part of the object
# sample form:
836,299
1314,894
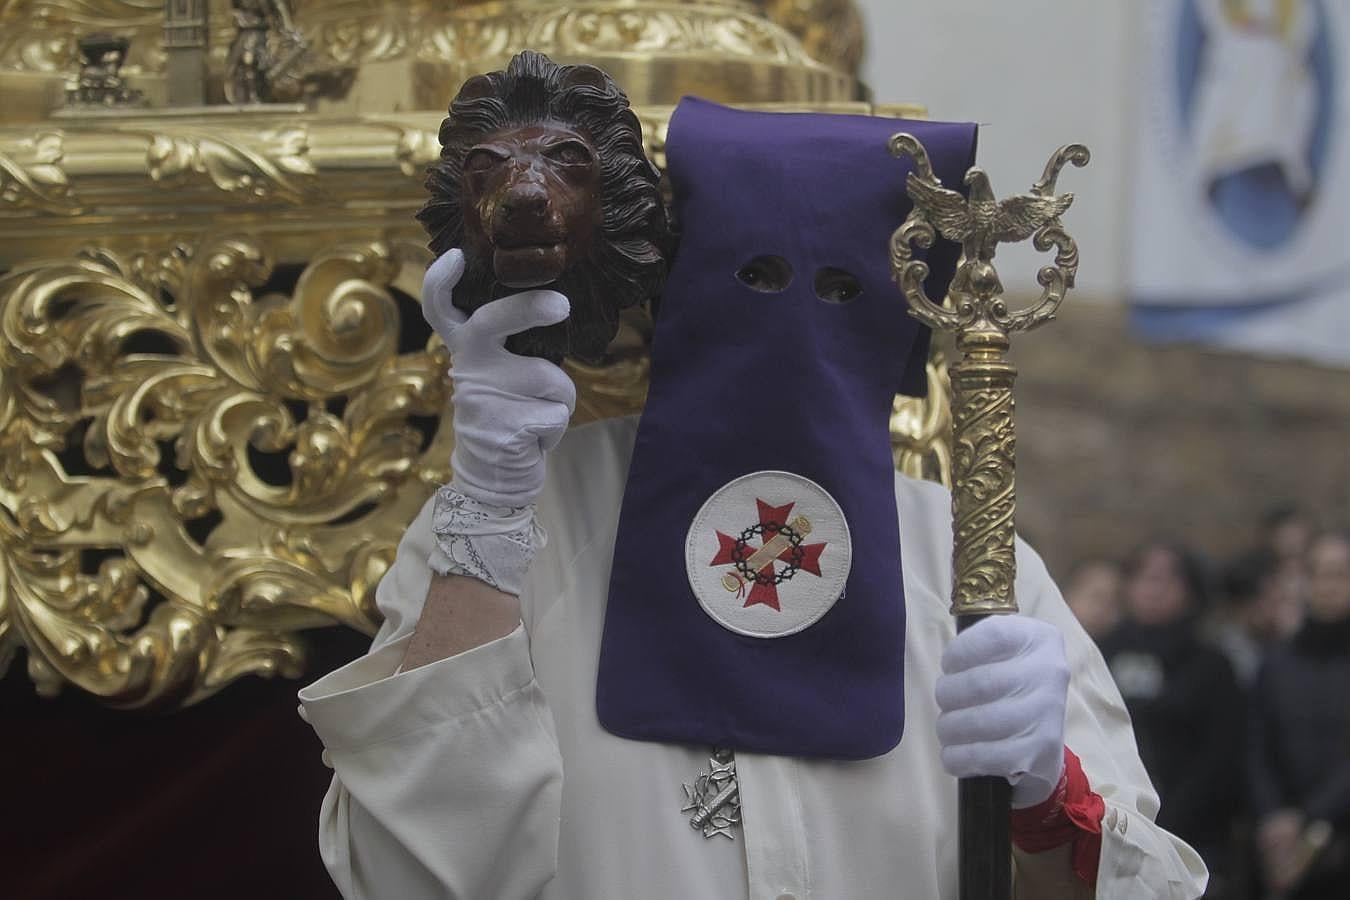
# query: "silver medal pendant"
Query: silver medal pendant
714,797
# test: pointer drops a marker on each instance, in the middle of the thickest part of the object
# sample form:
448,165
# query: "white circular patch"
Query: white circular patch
768,554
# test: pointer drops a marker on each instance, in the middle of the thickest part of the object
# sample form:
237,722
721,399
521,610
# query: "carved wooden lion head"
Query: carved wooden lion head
542,181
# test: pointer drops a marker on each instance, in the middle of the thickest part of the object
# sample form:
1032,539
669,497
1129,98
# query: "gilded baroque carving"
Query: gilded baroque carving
40,35
417,148
610,30
139,162
984,456
921,429
32,178
831,31
580,29
350,42
193,472
278,167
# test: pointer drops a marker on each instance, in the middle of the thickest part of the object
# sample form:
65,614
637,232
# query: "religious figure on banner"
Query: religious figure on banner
1257,93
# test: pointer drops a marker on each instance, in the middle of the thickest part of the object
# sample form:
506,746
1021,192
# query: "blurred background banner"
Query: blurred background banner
1241,181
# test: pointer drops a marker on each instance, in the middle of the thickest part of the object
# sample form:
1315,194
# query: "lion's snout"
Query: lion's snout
526,216
525,202
528,236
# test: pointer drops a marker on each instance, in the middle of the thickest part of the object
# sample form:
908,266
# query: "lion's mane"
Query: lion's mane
627,263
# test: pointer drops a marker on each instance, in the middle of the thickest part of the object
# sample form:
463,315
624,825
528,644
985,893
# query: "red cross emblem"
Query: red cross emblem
782,542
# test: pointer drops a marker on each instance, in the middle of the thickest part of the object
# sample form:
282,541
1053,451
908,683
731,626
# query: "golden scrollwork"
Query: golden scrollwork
413,54
31,176
40,35
362,171
658,49
984,442
707,29
195,471
921,428
983,455
831,31
416,149
352,41
618,386
278,166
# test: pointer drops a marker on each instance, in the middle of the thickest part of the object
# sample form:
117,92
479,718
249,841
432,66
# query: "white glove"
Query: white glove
509,410
1002,693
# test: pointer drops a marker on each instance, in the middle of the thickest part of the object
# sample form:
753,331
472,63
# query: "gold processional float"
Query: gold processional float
219,403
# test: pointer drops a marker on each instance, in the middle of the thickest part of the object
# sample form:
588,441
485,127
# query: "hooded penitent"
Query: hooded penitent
756,599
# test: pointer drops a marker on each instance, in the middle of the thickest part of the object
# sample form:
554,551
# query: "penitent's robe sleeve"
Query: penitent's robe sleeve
447,778
1139,860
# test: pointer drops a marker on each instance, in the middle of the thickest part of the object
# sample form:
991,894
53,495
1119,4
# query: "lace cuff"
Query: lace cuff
491,543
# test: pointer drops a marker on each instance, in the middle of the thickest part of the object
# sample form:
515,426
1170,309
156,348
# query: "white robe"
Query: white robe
487,775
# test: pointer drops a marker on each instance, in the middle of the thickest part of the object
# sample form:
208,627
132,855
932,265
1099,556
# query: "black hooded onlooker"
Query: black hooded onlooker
1184,700
1300,740
1287,532
1250,615
1092,592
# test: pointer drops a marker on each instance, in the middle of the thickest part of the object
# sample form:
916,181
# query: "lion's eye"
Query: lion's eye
570,153
767,274
480,161
837,285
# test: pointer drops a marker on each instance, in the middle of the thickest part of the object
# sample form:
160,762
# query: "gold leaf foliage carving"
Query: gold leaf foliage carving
280,168
40,35
831,31
618,385
204,455
921,428
984,453
416,149
33,178
711,30
340,40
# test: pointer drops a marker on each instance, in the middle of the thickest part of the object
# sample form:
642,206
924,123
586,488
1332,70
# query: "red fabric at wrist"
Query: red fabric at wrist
1071,814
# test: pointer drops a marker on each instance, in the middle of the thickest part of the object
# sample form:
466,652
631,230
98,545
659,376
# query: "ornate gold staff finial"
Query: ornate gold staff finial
983,559
982,402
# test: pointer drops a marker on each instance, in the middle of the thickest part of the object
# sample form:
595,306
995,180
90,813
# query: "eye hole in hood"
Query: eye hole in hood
767,274
834,285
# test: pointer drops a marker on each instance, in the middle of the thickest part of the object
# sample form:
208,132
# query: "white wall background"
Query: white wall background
1035,74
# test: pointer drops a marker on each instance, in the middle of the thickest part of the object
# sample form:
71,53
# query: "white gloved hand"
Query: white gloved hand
509,410
1003,691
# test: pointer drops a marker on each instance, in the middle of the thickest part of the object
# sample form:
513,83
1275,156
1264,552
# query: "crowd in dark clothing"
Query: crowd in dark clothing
1239,691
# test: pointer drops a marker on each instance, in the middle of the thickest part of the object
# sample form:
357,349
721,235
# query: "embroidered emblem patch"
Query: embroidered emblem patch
768,554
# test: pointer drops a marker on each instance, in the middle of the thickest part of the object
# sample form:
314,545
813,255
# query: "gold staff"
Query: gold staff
983,459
